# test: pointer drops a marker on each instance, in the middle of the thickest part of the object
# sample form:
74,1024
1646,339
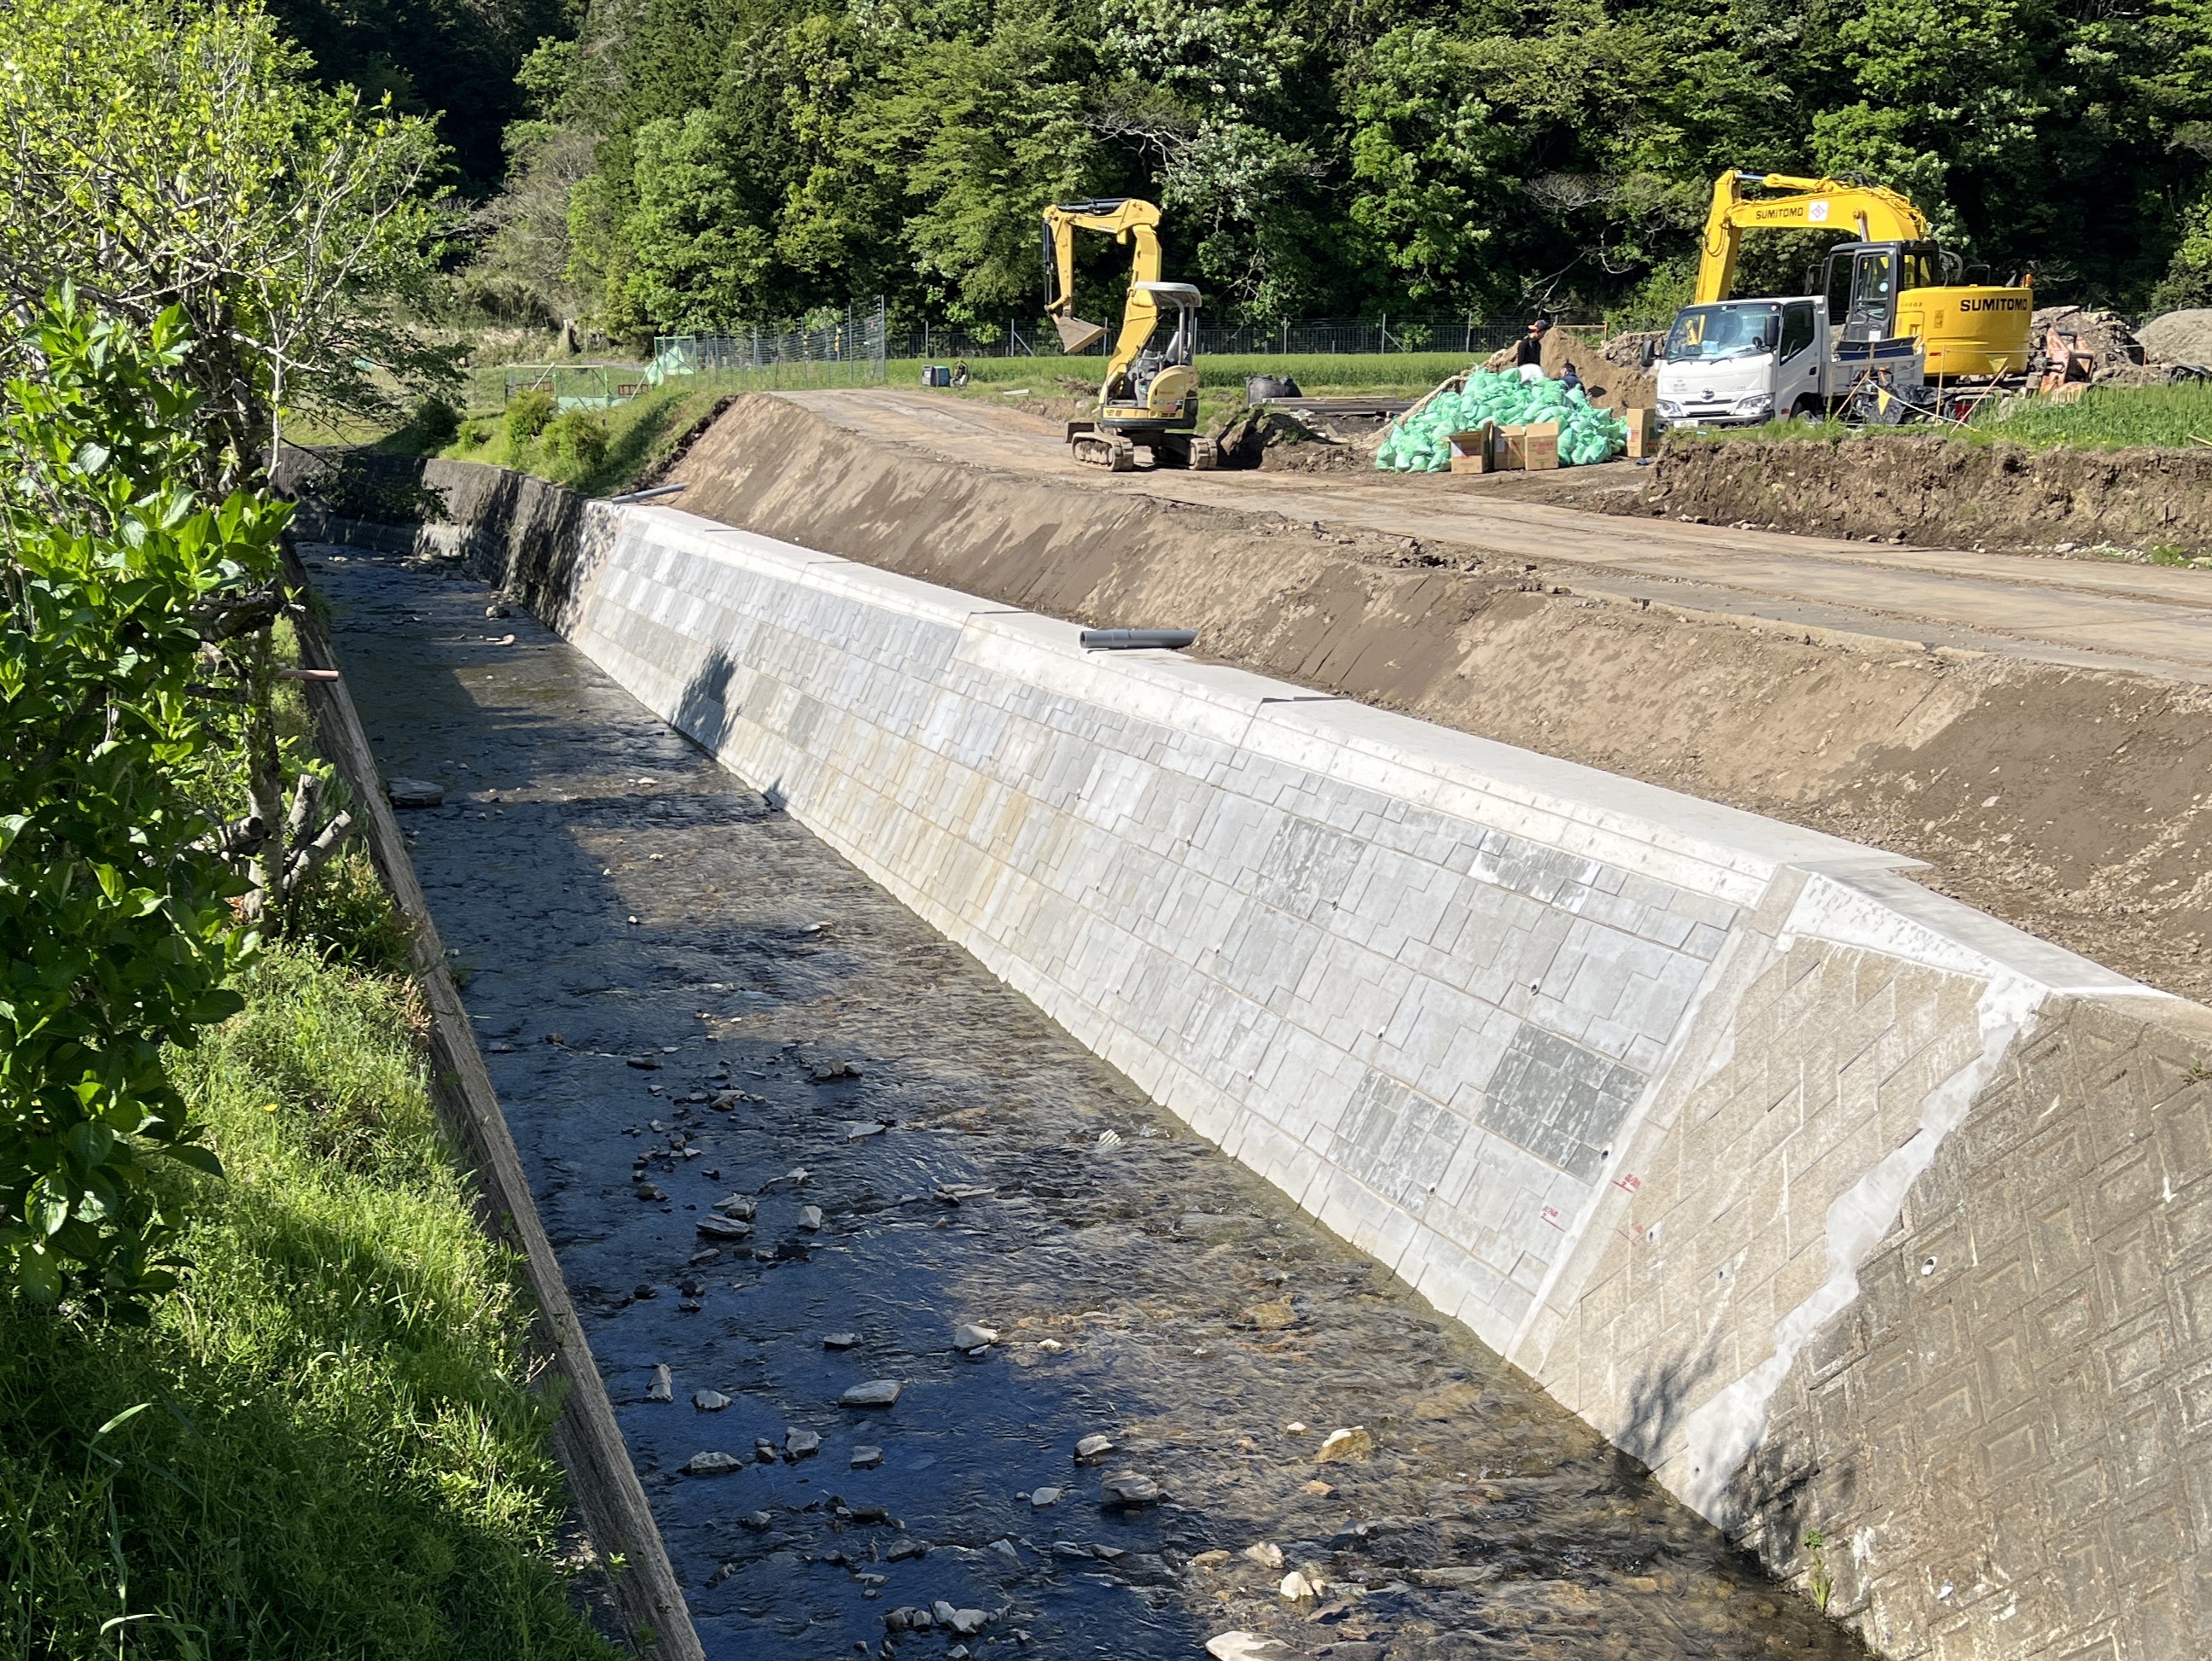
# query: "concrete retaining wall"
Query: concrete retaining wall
1843,1206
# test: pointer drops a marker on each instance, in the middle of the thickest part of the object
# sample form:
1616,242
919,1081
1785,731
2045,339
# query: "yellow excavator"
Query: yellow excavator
1889,281
1149,397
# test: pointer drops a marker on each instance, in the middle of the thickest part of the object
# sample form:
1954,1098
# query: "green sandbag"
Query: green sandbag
1421,443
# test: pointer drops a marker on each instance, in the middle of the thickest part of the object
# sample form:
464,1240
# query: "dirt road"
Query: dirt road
2085,613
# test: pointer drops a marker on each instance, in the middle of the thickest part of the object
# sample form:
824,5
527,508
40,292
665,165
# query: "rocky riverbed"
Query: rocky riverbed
928,1335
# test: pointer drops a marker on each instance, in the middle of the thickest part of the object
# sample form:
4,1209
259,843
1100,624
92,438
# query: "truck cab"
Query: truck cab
1737,362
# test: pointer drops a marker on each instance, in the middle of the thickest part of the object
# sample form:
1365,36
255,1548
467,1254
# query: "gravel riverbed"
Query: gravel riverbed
867,1249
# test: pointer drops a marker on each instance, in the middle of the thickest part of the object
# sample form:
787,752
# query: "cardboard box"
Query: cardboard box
1474,452
1643,431
1508,444
1534,446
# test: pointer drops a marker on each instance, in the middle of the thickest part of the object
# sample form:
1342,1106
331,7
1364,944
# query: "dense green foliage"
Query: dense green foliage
325,1444
117,934
717,161
453,61
163,156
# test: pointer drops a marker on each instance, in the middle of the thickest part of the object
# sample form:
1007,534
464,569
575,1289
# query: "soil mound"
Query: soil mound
1938,492
2179,336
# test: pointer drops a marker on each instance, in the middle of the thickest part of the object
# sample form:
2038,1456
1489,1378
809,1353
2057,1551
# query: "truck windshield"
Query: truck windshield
1703,333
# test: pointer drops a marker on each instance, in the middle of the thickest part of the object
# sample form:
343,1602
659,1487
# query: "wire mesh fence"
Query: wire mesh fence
574,386
847,351
1316,337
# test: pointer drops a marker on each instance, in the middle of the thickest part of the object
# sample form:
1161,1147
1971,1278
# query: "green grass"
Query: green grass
323,1444
1318,372
2105,419
640,433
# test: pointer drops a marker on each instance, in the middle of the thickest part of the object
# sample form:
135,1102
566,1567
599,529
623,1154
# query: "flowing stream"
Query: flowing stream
687,1001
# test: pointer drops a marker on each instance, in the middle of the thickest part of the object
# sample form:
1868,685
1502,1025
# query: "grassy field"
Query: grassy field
638,435
322,1446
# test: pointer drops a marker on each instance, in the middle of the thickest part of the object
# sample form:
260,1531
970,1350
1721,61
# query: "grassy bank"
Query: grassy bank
323,1444
2106,418
634,437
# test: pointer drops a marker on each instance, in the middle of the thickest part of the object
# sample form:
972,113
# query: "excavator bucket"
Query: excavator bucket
1076,335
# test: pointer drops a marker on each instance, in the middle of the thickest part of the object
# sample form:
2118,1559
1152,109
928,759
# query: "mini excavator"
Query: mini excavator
1149,397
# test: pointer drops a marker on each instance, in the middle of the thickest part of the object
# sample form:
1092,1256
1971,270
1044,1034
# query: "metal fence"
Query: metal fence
575,385
848,351
1456,336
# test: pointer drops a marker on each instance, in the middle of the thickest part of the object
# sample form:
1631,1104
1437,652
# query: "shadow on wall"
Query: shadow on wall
703,713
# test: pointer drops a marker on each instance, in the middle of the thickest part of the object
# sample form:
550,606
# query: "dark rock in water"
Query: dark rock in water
414,793
758,1521
663,1387
709,1401
712,1464
876,1393
865,1458
1093,1447
823,1072
800,1444
723,1228
840,1340
906,1548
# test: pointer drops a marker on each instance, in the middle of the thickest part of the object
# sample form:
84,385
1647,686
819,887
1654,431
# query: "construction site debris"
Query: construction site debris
1420,441
2116,357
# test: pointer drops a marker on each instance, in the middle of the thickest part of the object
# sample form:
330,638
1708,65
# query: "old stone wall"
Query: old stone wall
1828,1197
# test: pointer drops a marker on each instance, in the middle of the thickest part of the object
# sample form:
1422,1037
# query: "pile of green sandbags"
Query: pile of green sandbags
1419,442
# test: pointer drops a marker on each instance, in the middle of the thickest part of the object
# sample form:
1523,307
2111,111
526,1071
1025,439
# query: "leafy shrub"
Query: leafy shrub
575,443
527,415
435,425
118,936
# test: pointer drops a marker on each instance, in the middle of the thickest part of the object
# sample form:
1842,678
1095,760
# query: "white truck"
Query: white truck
1736,363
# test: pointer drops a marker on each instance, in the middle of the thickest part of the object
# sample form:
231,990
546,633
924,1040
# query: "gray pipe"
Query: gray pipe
1134,640
653,495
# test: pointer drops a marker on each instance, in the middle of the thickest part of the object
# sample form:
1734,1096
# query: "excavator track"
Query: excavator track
1117,455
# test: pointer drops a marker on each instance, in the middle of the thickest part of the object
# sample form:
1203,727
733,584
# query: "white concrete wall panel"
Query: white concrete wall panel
1455,999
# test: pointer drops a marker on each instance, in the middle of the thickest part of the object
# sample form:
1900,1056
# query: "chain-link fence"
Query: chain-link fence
1461,335
573,386
848,351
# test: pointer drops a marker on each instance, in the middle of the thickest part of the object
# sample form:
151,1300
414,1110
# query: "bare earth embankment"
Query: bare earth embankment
2067,800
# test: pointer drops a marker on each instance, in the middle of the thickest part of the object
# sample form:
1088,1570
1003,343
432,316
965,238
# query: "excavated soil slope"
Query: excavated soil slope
1938,492
2073,804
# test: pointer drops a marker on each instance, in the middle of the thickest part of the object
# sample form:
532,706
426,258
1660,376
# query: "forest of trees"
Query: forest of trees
693,164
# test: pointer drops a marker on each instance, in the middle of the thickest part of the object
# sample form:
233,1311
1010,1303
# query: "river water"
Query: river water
686,1000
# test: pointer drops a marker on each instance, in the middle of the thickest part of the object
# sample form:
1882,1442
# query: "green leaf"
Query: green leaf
199,1158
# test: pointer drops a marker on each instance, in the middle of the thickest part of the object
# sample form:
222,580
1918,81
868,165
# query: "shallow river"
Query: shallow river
687,1001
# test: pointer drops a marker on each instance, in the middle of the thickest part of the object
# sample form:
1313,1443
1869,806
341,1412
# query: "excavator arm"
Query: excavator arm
1126,219
1859,213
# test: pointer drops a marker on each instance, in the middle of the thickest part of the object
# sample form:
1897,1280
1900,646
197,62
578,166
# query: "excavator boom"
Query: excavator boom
1126,219
1857,213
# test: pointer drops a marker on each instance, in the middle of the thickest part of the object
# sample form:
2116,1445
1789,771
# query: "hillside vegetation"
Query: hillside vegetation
689,164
